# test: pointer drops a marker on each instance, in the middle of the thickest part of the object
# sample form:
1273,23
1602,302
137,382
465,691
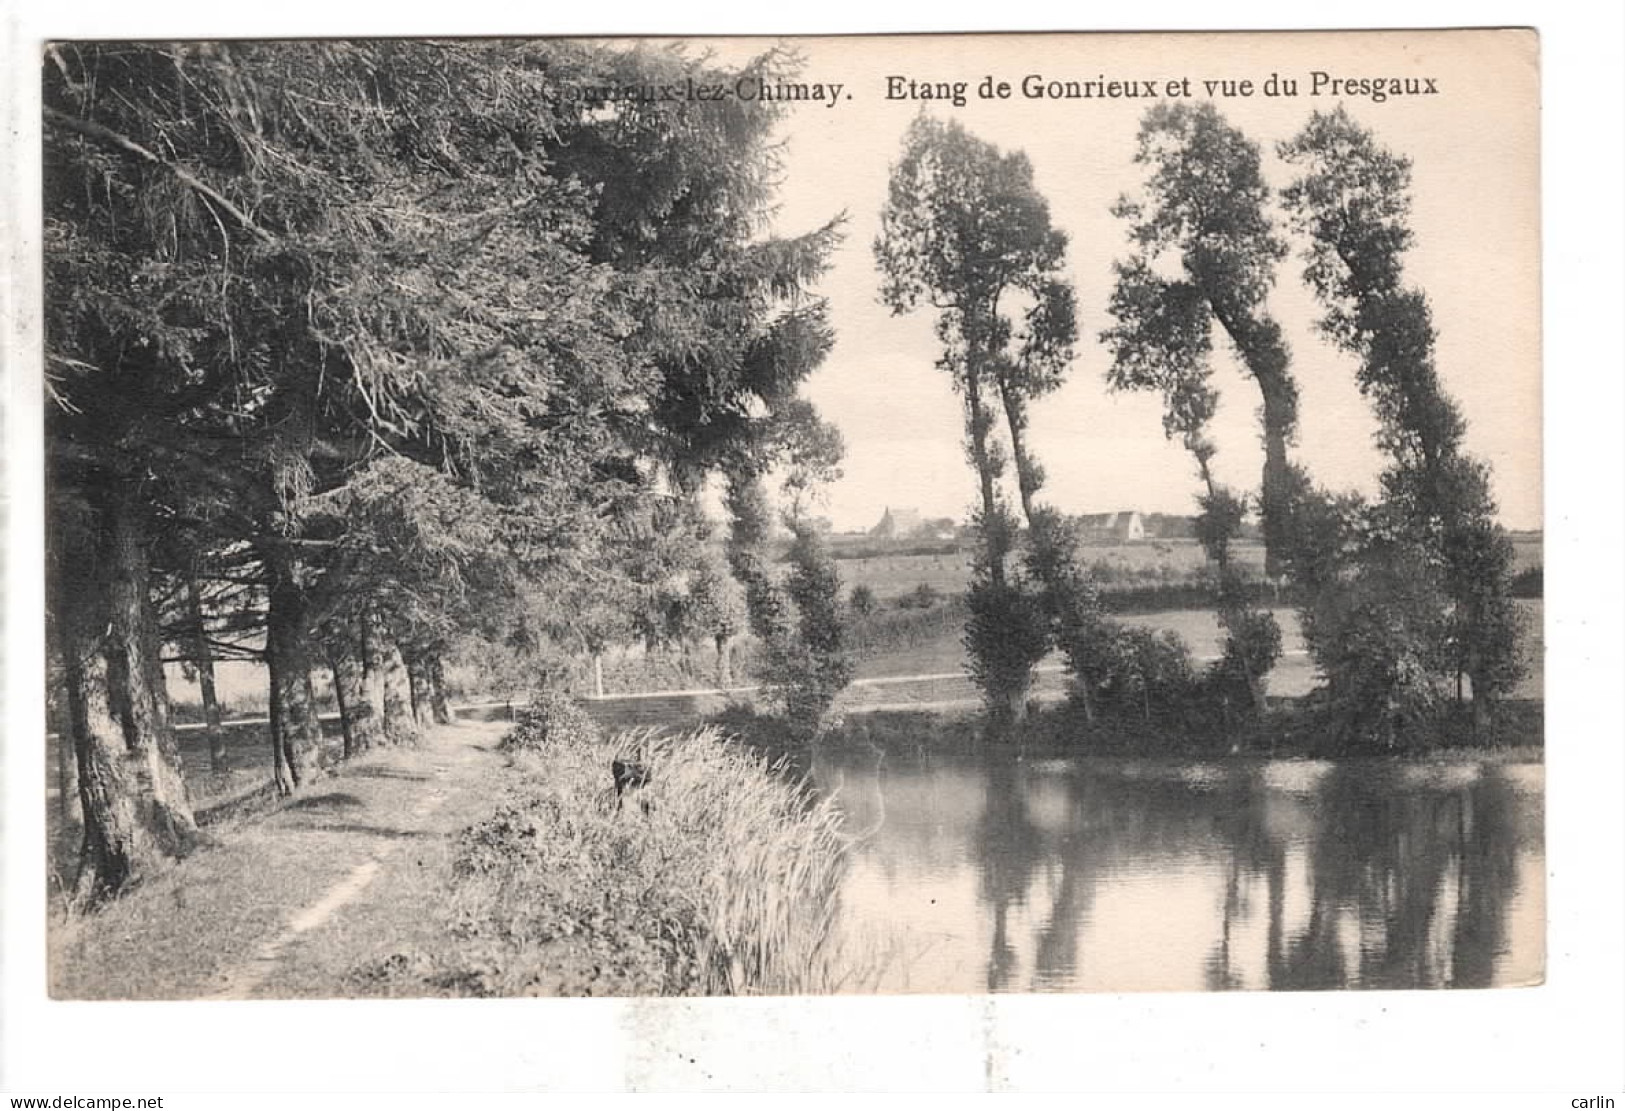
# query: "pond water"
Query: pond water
1096,874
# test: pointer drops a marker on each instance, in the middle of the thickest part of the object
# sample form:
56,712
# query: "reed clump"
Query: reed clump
718,875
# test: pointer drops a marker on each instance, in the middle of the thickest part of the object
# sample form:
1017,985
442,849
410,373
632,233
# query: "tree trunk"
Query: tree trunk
362,718
443,713
1008,707
419,686
1264,353
203,660
281,773
598,675
1274,503
399,720
318,758
1086,699
67,781
346,729
1018,706
1482,706
296,731
372,716
725,673
1029,476
981,455
117,847
135,664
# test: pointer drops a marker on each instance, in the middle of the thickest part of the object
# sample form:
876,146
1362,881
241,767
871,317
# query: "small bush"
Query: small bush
1134,672
1380,640
1005,637
807,664
894,630
1252,646
552,718
862,601
922,597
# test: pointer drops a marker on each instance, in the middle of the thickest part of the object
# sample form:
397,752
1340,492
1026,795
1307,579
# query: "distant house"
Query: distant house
896,524
1122,526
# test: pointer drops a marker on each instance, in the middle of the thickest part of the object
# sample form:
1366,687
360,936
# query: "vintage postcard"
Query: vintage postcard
872,515
956,514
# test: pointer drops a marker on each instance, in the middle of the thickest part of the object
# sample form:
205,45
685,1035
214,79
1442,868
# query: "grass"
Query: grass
719,877
175,935
215,795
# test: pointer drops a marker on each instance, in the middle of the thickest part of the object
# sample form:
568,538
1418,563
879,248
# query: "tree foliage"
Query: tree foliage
966,232
388,331
1435,526
1205,212
1206,208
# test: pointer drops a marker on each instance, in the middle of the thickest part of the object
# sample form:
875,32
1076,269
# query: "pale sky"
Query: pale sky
1475,192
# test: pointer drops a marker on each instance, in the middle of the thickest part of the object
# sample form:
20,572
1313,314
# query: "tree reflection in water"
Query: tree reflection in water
1009,848
1289,876
1425,875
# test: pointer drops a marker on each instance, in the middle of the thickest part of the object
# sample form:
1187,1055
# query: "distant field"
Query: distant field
1141,563
1528,549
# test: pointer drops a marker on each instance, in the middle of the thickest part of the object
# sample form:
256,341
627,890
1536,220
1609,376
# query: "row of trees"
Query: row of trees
356,348
1406,595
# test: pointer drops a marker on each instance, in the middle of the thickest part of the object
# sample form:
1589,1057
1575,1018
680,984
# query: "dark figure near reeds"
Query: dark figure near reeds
629,776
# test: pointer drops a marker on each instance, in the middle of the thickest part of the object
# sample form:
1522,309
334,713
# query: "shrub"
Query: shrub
1133,672
922,597
1252,645
862,601
1379,638
893,630
1006,635
552,718
807,663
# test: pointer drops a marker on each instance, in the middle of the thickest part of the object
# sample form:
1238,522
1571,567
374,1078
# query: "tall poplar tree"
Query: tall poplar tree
1205,212
1352,202
965,232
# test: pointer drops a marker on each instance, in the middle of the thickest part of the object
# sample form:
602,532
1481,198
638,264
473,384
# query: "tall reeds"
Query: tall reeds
719,876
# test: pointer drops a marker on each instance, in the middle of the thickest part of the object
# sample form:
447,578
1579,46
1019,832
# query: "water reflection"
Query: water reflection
1119,875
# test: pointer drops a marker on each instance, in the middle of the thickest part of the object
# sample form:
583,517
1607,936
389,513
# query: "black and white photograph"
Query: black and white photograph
937,515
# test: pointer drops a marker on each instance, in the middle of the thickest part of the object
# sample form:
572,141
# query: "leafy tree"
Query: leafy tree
299,342
1352,201
812,668
1205,208
288,281
1163,341
965,231
717,611
1006,634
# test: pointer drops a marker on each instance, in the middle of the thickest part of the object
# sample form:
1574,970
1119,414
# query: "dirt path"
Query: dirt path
294,903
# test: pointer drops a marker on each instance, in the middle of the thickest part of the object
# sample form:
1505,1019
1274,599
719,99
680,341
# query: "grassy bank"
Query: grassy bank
1294,728
717,877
